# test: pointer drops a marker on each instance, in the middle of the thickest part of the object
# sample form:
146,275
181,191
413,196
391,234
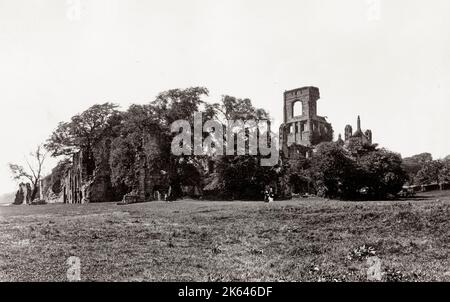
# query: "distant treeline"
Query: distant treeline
422,169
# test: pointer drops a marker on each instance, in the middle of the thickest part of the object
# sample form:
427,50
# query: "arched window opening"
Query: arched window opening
297,109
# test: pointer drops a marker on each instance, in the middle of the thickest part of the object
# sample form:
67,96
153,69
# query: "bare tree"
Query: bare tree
33,170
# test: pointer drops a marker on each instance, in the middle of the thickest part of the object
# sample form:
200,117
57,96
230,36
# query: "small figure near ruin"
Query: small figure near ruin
271,194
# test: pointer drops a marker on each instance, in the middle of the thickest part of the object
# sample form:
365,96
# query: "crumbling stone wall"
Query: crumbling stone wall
46,192
89,177
153,176
99,188
74,180
23,195
82,185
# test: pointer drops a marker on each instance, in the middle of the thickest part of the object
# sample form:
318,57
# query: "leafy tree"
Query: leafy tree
358,149
382,173
233,108
431,172
243,177
367,173
297,173
138,123
82,132
123,163
178,104
334,172
412,165
445,172
145,131
422,158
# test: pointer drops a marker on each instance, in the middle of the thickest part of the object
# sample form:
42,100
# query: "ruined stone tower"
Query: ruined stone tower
359,137
302,129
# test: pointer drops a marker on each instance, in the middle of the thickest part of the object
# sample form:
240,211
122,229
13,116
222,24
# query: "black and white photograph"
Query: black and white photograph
237,142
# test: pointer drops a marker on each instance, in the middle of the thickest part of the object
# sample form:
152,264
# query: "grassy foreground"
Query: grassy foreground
297,240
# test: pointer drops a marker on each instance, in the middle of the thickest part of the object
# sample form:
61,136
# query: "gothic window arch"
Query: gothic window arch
297,108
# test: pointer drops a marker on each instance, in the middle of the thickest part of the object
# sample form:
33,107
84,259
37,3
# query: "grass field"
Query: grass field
296,240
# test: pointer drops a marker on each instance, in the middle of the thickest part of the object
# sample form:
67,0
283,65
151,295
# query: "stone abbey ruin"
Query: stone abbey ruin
82,184
301,132
87,181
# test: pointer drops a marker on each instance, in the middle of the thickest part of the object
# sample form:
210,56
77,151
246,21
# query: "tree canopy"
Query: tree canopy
83,131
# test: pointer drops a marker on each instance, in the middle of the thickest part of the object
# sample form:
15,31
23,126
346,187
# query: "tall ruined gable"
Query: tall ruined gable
301,124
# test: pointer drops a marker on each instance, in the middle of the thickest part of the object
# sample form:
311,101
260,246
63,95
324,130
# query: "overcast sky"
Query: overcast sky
385,60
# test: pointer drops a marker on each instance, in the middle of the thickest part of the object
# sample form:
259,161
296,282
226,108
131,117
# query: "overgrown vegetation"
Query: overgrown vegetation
423,169
354,172
363,173
146,129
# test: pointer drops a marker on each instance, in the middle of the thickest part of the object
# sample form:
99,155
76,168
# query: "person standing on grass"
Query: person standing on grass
271,196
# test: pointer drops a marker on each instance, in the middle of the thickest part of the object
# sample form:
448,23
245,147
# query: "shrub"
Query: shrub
338,173
382,173
334,172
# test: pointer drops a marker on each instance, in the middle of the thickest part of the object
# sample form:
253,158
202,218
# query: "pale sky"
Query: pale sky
385,60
